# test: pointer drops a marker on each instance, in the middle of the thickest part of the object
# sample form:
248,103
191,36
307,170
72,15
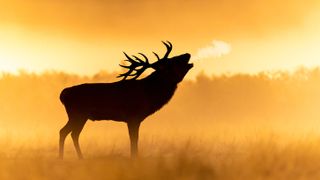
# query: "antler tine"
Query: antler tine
169,43
132,61
156,55
126,74
145,57
138,59
138,72
169,48
124,66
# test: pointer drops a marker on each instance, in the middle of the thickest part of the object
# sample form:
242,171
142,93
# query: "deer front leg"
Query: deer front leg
134,137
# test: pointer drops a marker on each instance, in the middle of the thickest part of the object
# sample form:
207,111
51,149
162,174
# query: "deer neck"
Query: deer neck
159,92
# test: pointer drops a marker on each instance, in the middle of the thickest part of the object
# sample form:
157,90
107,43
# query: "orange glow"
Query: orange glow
247,109
89,36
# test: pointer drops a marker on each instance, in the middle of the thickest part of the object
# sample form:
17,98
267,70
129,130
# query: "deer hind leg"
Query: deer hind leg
63,134
76,130
134,137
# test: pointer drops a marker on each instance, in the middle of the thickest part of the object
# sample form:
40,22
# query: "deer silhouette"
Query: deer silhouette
129,100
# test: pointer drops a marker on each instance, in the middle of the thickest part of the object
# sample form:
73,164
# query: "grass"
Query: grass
260,157
104,167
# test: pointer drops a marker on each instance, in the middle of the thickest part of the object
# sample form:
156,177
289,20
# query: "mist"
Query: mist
228,126
279,101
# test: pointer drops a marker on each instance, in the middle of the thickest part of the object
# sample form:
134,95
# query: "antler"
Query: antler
138,66
169,49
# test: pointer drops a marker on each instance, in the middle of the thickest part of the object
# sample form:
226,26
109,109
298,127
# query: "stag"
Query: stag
129,100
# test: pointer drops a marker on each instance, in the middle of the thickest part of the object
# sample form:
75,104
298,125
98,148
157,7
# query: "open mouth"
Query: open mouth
187,57
190,65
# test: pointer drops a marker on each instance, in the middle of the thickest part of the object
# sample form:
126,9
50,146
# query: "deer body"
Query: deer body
129,101
118,101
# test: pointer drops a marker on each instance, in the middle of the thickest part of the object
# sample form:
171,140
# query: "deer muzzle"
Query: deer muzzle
187,57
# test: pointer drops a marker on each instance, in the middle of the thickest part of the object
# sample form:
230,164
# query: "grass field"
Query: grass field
229,127
258,156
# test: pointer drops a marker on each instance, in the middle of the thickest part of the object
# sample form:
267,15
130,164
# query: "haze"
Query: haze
249,109
87,36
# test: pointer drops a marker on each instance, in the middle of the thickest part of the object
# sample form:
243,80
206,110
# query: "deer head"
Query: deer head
176,67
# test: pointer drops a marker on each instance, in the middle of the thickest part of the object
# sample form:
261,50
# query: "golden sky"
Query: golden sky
87,36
